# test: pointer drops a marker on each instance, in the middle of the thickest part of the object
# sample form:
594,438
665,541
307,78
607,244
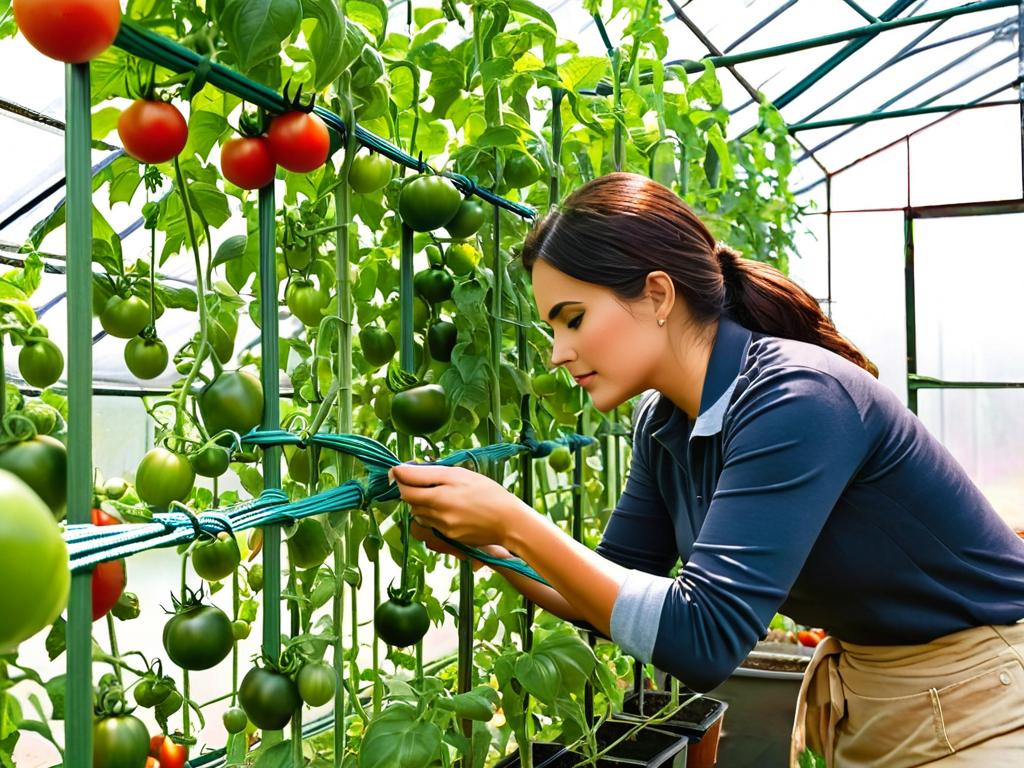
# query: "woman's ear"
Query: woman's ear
661,292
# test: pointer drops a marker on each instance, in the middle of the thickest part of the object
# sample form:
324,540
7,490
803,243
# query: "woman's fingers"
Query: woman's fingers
427,536
423,475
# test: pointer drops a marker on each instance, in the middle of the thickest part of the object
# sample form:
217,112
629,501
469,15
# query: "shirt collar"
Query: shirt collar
672,427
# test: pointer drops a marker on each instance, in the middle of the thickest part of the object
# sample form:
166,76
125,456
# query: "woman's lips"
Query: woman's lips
585,379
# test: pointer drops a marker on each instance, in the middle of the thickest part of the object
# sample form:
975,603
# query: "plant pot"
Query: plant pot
761,696
649,747
700,720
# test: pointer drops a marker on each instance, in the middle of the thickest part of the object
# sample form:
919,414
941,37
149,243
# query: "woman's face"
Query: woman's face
610,347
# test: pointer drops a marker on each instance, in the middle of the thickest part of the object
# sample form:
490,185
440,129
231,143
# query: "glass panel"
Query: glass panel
974,155
878,182
968,274
983,429
809,267
867,287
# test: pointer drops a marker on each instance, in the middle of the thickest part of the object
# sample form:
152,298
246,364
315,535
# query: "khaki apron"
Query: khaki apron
956,701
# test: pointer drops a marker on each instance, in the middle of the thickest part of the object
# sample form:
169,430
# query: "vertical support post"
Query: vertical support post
828,243
1020,85
271,420
77,141
910,304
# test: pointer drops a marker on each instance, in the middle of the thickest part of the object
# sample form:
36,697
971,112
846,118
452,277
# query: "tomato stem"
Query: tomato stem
113,647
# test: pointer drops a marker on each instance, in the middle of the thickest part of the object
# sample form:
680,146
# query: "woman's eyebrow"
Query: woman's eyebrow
555,310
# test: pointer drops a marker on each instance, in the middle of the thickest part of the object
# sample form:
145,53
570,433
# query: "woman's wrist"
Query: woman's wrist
521,527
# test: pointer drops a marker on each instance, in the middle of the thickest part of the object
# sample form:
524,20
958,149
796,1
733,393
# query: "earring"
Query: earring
661,322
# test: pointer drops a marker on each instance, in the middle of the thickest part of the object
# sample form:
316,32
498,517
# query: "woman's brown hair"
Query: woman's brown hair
616,229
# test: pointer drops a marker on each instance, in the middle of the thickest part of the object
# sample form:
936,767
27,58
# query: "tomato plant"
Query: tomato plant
560,458
248,162
216,559
210,460
34,566
369,172
378,345
269,698
299,141
164,476
198,636
316,682
441,339
169,754
152,131
145,358
119,741
40,362
461,258
434,285
428,202
235,720
520,170
73,31
41,462
420,410
234,400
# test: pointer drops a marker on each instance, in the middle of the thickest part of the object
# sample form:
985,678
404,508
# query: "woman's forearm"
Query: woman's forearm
583,580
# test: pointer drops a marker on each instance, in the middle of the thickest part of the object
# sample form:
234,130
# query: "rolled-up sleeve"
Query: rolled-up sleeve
792,441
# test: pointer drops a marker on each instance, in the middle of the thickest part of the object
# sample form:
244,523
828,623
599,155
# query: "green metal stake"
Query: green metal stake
77,139
910,306
271,420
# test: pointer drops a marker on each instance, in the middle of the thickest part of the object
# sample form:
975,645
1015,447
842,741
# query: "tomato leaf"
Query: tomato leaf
277,756
539,675
396,739
256,29
232,248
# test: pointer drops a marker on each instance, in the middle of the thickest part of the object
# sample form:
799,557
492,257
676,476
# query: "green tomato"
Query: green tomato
170,705
544,384
369,172
115,488
235,720
42,464
198,637
298,256
297,460
152,690
462,258
401,623
560,458
421,410
307,544
211,461
119,742
40,362
520,170
234,400
223,343
124,318
145,358
428,202
163,476
663,163
306,302
240,629
441,339
434,285
34,565
377,344
382,404
216,559
434,256
254,578
467,220
316,681
269,698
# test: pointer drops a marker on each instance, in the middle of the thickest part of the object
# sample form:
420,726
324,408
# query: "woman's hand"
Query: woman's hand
461,504
428,537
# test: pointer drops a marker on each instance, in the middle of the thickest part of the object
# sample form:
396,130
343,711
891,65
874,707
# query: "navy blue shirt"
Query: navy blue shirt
805,487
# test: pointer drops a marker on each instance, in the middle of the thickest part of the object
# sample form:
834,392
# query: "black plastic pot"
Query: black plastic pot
649,747
700,720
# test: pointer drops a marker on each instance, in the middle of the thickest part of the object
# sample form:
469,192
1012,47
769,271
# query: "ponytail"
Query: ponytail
617,229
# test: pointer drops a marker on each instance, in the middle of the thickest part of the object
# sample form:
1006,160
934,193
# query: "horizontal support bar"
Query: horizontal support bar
915,381
952,210
871,117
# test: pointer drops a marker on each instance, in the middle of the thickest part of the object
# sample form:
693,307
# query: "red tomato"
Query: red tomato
808,638
299,141
171,755
155,743
247,162
74,31
152,131
108,579
152,763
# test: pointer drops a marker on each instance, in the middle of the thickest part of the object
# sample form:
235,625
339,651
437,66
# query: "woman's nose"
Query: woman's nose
561,353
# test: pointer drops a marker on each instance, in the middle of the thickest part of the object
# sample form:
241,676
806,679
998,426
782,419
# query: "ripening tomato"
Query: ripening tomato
152,131
109,578
247,162
73,31
299,141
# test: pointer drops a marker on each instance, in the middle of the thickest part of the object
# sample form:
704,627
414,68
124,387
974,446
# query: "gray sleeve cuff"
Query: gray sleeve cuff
637,613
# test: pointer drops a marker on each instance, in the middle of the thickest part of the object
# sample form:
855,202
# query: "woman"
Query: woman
768,457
